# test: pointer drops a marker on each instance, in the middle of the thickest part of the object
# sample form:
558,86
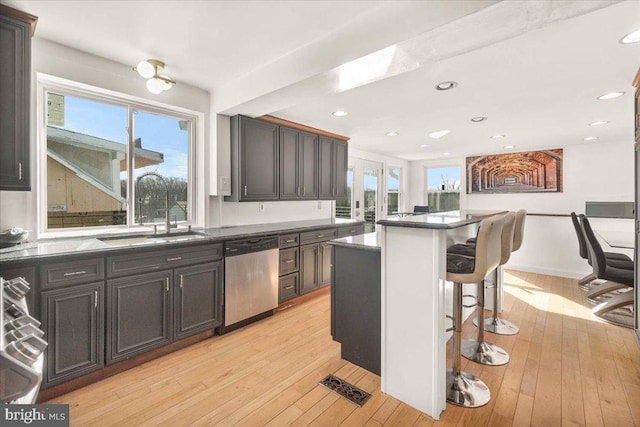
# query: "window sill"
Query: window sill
102,232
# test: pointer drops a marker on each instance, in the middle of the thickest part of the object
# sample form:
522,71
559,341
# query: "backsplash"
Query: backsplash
240,213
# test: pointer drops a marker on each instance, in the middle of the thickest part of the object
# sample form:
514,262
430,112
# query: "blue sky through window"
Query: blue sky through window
448,176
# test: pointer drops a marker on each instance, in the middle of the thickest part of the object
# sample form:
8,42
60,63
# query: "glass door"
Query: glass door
366,192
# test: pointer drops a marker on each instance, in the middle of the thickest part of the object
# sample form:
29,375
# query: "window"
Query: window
393,190
443,188
343,207
98,146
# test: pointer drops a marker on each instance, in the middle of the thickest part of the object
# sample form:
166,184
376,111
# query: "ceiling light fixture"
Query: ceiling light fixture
611,95
591,138
446,154
446,85
340,113
424,146
156,83
509,147
392,134
598,123
631,38
439,134
497,136
478,119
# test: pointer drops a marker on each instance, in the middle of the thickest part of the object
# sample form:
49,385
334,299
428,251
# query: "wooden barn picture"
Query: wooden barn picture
526,172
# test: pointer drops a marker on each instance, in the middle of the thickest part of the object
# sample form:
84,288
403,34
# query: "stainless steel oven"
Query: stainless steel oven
21,345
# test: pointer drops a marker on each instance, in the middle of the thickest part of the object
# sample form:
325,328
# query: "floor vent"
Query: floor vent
346,390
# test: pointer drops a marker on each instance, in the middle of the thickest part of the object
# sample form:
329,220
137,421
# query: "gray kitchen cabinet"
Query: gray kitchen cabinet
298,164
198,298
309,268
138,314
324,264
15,83
74,328
254,160
289,287
332,165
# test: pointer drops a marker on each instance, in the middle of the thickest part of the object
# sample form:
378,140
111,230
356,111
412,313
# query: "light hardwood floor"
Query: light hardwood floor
566,368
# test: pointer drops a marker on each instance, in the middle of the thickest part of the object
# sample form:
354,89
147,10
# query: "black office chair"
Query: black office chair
618,308
614,259
420,209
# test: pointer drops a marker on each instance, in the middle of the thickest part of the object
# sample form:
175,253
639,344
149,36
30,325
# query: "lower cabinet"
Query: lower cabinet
309,268
324,264
74,328
138,314
198,299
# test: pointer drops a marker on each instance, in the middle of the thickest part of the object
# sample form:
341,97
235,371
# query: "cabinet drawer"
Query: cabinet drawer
72,272
318,235
159,260
351,231
289,260
288,287
289,240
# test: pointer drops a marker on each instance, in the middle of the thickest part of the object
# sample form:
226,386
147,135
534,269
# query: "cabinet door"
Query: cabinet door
73,324
15,60
139,315
289,165
325,180
308,268
324,264
308,160
198,301
339,164
259,160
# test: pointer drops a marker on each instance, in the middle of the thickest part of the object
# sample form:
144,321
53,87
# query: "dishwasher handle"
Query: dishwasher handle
246,246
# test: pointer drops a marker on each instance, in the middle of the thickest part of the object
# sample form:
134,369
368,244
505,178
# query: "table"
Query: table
618,239
413,270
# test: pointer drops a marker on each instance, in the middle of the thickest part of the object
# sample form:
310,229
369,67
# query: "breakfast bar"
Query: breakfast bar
413,307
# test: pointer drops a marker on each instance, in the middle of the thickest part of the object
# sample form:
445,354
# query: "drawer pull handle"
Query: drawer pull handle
319,235
288,287
178,258
290,240
289,261
74,273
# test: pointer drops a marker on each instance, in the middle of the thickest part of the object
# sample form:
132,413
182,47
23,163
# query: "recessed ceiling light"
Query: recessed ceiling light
439,134
339,113
478,119
631,38
446,154
392,134
611,95
591,138
424,145
497,136
598,123
446,85
508,147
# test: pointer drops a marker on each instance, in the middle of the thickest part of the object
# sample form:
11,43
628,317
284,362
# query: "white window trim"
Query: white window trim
400,192
47,82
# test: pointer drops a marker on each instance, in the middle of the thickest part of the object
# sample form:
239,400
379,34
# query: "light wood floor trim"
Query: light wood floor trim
566,368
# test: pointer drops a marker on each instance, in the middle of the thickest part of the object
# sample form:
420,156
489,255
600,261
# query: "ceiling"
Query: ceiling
533,68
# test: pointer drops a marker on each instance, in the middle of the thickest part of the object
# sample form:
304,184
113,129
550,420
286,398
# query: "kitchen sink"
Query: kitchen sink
135,240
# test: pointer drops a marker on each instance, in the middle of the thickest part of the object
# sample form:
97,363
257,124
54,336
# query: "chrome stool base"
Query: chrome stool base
484,352
498,326
466,390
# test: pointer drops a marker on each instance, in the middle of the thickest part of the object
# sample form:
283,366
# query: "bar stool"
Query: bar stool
463,388
494,323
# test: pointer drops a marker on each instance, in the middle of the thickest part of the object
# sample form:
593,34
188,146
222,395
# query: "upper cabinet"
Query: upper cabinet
272,159
298,164
333,168
16,29
254,160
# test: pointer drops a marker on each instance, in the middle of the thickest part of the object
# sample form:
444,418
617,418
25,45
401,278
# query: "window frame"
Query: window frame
426,183
399,192
46,83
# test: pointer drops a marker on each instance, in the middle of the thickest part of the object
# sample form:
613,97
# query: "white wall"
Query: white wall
591,172
19,208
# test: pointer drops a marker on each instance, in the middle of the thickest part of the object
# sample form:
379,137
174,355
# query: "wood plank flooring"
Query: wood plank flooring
567,368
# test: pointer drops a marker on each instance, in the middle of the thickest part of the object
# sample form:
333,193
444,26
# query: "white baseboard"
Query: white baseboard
548,271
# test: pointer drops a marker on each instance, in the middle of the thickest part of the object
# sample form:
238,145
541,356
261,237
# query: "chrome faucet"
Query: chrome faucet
140,199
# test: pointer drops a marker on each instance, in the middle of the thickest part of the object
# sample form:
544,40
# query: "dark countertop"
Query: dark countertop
367,242
69,246
440,220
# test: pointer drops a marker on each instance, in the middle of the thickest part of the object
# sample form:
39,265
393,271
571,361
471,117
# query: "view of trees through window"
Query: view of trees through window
393,190
443,188
87,169
343,207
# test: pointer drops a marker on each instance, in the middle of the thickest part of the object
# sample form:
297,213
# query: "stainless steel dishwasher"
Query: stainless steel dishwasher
251,279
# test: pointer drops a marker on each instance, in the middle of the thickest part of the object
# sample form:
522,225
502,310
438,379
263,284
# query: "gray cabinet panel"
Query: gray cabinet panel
139,315
308,161
333,164
74,328
340,169
198,302
325,157
259,160
308,268
15,64
289,261
324,264
288,287
71,272
289,164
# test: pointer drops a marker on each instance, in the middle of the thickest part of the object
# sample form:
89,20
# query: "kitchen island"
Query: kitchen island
413,277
